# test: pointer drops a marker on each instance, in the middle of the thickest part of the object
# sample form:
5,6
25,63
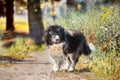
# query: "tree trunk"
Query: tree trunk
72,4
9,15
35,21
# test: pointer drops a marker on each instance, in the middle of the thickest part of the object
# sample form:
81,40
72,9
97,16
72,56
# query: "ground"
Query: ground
36,67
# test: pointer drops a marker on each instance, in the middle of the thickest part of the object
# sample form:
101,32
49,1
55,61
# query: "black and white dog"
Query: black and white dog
65,47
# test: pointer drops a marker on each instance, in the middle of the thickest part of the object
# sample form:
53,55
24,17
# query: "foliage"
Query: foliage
110,22
18,50
104,63
21,48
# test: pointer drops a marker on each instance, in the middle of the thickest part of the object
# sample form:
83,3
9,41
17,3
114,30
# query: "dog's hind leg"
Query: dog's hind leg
73,60
72,65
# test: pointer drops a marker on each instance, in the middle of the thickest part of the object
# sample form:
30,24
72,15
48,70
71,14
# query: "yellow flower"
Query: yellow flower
53,13
78,6
107,13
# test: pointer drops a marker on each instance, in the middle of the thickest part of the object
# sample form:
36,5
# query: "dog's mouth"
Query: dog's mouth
57,41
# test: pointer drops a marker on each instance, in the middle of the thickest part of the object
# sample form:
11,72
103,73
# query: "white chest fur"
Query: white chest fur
56,50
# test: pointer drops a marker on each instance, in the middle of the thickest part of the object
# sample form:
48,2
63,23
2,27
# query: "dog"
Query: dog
65,47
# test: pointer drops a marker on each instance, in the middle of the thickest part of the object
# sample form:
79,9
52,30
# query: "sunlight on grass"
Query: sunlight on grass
2,23
20,25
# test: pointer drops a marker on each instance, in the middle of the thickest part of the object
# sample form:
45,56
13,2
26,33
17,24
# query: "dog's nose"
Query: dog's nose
57,40
57,37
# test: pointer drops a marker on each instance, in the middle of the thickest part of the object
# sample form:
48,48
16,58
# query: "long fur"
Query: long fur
70,43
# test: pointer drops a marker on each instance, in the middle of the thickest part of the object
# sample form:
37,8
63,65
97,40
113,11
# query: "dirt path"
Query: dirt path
35,67
38,67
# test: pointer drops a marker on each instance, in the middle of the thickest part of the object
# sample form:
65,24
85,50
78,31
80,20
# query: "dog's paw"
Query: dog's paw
64,68
55,69
71,69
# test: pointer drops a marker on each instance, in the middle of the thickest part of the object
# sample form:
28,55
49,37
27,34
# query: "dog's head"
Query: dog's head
54,34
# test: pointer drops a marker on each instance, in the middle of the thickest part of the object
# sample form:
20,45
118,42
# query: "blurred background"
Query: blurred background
22,25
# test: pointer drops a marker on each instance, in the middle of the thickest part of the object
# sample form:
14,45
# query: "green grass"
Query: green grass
21,48
18,50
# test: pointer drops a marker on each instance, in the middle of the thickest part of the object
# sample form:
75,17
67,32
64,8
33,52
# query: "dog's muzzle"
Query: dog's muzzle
55,39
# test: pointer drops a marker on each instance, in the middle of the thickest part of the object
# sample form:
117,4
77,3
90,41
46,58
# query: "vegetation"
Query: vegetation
100,27
20,49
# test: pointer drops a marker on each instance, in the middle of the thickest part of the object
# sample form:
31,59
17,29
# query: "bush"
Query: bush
109,28
21,48
104,63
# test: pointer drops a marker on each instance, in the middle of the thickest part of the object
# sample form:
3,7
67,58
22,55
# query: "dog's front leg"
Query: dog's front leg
55,66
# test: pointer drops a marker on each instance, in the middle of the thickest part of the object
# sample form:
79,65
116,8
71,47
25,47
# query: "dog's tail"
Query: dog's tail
89,48
92,47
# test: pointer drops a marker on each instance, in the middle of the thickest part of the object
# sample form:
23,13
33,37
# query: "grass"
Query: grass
20,25
21,48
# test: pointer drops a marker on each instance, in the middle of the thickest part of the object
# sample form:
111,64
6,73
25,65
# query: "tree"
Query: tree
72,4
2,8
7,9
9,15
35,21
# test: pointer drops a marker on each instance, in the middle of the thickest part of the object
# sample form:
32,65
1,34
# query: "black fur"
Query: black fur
77,43
73,43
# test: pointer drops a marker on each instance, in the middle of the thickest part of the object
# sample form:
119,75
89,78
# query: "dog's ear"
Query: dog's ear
61,29
50,27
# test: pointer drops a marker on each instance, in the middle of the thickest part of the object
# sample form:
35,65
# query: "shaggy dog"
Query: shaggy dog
65,47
